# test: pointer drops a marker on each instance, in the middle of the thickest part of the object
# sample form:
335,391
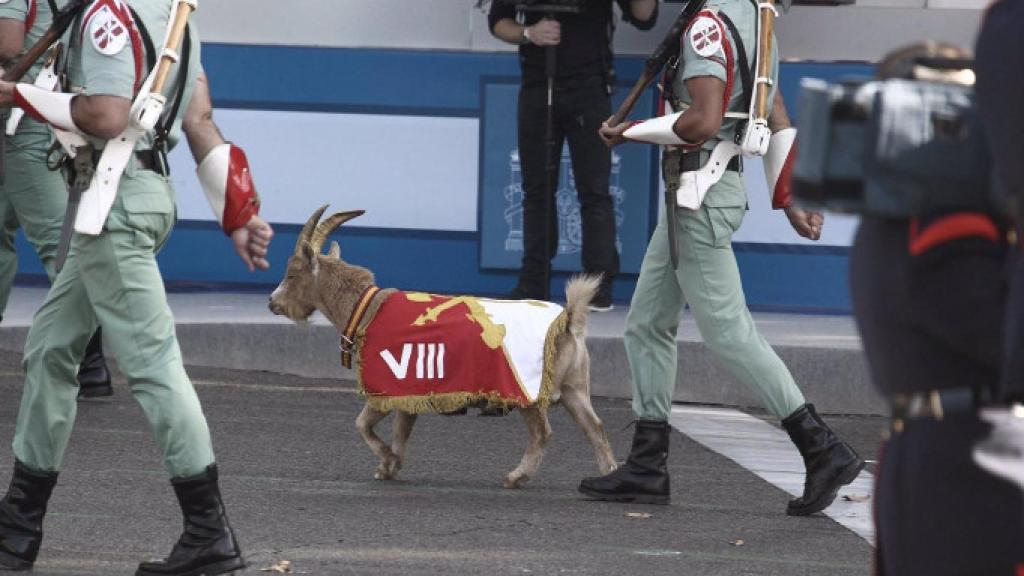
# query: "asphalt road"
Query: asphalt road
297,480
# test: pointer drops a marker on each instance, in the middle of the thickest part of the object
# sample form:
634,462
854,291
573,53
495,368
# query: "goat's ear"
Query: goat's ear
308,254
335,251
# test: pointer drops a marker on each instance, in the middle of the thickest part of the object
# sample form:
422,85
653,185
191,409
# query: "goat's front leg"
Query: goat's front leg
400,431
365,422
539,433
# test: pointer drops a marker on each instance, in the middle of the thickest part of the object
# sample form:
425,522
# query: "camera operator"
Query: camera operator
583,78
928,295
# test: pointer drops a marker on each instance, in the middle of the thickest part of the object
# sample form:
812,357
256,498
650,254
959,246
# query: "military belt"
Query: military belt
152,160
695,160
936,404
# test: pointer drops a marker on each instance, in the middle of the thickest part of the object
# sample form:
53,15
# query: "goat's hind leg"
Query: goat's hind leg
365,423
539,433
400,431
577,404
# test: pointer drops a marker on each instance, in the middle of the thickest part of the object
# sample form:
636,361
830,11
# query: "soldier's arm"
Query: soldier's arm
12,39
200,130
807,223
779,117
703,119
226,179
640,13
101,115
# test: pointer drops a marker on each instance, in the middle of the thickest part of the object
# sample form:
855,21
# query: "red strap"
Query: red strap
121,11
30,18
948,228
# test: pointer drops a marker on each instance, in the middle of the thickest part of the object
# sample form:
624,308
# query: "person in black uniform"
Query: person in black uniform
929,297
1000,92
583,81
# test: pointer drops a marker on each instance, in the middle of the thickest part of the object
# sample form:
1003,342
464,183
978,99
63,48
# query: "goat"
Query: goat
314,281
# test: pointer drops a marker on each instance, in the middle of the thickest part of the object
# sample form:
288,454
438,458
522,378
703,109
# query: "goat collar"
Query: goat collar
347,344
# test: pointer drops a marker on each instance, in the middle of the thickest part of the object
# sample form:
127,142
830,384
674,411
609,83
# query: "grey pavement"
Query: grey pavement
235,330
298,484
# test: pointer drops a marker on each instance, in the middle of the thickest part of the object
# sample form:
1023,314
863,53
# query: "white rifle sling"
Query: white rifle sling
46,80
694,185
146,110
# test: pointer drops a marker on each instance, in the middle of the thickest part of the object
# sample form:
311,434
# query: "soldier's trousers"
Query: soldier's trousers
113,280
33,197
708,280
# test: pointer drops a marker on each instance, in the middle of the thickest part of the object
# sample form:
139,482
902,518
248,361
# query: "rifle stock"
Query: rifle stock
61,22
668,48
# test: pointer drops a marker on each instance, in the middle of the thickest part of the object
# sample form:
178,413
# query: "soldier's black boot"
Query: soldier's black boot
21,517
644,476
830,462
93,375
207,545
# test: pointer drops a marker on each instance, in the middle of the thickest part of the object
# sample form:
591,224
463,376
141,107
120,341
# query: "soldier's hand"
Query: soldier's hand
6,94
545,33
252,242
806,223
612,135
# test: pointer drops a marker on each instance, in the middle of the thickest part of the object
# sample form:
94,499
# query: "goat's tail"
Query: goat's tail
578,293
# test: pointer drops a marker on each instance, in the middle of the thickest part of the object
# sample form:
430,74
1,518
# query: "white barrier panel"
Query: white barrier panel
405,171
862,32
762,224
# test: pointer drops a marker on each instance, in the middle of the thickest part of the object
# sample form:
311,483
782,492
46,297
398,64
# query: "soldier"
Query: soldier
112,280
929,294
1000,90
715,50
31,194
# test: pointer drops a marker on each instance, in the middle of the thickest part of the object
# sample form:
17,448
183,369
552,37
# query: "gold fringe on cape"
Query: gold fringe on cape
452,401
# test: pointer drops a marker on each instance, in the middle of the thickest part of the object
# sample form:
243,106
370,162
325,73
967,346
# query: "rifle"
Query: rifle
62,20
668,48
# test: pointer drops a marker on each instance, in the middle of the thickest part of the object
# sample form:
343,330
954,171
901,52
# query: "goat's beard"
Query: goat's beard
297,313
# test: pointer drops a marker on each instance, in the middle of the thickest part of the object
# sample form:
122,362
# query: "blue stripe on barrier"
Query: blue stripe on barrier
400,82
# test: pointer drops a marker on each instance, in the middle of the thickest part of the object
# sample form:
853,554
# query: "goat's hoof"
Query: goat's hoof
515,480
608,469
388,468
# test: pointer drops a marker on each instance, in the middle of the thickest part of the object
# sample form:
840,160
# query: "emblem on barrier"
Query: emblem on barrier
567,205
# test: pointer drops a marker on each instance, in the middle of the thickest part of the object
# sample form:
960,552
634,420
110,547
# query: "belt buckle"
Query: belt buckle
935,403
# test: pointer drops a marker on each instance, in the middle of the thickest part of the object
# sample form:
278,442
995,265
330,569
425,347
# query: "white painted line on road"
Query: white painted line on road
767,452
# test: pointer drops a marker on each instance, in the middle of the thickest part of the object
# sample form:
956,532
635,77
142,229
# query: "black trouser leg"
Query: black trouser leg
540,216
587,108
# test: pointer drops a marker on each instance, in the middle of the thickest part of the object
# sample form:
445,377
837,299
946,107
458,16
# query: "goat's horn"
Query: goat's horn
309,228
330,225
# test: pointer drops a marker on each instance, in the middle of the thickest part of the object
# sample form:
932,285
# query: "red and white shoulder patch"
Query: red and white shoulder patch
108,25
706,35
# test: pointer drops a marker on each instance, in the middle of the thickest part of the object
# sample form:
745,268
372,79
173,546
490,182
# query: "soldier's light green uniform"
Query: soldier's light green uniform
113,279
30,194
708,278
